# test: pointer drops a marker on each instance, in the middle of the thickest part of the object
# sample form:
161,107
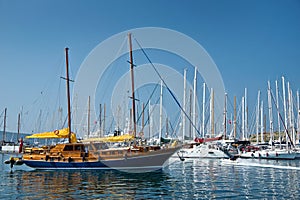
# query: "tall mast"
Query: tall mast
212,123
257,116
284,108
203,111
225,115
100,120
132,83
270,114
89,117
150,119
143,119
4,126
194,102
104,115
262,122
19,124
291,113
184,106
167,127
234,117
190,114
243,118
298,115
278,113
68,93
160,111
246,114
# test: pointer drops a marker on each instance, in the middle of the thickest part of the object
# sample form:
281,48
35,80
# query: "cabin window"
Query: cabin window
78,148
68,148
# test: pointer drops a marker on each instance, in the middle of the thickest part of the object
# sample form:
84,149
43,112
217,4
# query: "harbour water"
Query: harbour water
191,179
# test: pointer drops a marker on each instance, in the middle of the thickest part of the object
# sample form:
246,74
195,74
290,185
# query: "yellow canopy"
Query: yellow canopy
63,133
119,138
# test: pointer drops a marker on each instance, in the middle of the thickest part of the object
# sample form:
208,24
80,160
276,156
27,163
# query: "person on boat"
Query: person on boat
21,145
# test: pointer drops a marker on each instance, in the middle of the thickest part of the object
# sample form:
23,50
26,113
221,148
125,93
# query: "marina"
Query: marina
191,179
150,99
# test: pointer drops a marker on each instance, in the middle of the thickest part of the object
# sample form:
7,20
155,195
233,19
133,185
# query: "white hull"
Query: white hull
202,151
10,149
269,154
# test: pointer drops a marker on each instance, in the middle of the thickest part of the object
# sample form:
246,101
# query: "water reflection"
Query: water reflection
89,184
191,179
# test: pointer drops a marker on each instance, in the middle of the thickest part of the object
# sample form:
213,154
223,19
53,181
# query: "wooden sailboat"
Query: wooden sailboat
95,154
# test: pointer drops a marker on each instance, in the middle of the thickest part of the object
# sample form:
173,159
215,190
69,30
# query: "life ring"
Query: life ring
56,132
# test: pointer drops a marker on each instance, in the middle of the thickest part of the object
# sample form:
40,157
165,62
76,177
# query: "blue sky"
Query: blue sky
251,42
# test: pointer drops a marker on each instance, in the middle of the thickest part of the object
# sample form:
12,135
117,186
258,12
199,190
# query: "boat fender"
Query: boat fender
259,155
47,157
7,161
252,155
267,154
69,159
276,154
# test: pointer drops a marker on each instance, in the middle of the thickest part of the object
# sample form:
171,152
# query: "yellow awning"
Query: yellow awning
119,138
63,133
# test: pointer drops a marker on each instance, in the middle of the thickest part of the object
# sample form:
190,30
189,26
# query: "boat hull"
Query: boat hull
270,155
149,162
10,149
203,151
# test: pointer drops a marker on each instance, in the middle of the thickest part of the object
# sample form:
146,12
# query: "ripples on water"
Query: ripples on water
191,179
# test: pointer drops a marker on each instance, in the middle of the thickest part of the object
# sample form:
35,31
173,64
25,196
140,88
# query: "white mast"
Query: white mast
203,111
150,120
262,122
291,113
225,116
284,108
278,112
212,113
194,103
293,118
298,116
246,114
257,116
160,111
183,109
270,114
243,118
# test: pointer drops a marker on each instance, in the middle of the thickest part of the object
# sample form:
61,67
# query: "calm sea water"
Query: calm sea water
191,179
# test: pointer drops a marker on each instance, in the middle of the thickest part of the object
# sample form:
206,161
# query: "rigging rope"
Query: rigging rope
169,90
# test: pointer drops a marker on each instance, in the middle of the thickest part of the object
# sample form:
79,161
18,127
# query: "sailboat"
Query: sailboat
10,146
204,147
94,154
270,152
